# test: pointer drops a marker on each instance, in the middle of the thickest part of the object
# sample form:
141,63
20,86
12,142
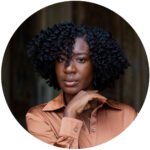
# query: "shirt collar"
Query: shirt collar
58,102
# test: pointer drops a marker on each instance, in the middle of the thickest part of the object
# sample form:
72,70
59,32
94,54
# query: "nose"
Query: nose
69,67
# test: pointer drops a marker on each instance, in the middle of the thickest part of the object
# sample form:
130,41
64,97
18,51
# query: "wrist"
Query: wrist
70,114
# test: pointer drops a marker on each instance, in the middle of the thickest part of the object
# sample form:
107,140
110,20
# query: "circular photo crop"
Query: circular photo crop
74,70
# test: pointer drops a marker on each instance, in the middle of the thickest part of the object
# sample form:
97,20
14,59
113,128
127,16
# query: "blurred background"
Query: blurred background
23,88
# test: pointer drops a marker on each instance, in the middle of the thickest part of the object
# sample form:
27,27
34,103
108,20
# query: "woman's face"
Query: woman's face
76,72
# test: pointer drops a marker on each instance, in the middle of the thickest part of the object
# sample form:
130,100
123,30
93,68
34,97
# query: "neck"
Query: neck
68,98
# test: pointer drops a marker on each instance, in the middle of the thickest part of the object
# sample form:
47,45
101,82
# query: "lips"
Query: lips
70,83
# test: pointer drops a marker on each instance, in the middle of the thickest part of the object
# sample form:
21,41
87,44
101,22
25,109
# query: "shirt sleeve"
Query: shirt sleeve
67,137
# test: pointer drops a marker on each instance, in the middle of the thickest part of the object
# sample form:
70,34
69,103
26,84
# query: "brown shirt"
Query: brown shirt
108,119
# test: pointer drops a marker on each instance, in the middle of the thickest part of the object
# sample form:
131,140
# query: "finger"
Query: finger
101,96
93,94
92,91
96,91
97,97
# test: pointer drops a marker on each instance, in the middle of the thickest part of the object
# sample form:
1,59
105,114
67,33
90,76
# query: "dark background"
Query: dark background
24,89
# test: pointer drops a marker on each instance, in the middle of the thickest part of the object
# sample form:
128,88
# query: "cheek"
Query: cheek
87,74
58,70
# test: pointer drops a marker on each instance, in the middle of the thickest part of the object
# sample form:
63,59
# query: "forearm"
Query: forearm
67,136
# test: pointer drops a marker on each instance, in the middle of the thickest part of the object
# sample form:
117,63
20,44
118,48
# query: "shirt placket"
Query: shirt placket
93,124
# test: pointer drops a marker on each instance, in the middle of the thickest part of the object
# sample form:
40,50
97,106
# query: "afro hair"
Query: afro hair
107,57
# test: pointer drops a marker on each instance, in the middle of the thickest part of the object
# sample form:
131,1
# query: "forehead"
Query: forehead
80,46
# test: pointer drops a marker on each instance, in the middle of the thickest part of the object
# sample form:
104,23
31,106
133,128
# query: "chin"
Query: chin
71,90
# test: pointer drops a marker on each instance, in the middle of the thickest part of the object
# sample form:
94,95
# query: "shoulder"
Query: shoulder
121,106
36,111
127,108
37,108
127,112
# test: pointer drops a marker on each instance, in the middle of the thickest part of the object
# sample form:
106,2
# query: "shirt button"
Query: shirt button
75,129
93,129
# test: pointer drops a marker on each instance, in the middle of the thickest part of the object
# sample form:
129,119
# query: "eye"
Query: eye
61,59
81,60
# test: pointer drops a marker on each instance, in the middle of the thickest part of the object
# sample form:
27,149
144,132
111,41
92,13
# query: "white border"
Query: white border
13,13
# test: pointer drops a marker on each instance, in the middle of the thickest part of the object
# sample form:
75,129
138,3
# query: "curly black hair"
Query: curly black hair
107,57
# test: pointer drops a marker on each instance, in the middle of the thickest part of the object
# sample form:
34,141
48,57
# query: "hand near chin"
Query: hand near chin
81,102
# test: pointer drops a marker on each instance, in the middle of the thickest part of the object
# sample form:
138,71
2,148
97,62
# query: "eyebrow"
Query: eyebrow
82,53
76,54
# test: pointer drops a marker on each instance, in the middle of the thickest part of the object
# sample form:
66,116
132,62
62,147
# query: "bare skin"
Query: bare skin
82,105
80,102
76,80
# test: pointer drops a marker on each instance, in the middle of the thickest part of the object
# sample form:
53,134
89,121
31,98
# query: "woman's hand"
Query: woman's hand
80,102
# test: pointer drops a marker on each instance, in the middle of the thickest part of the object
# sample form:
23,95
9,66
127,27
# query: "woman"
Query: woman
82,62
